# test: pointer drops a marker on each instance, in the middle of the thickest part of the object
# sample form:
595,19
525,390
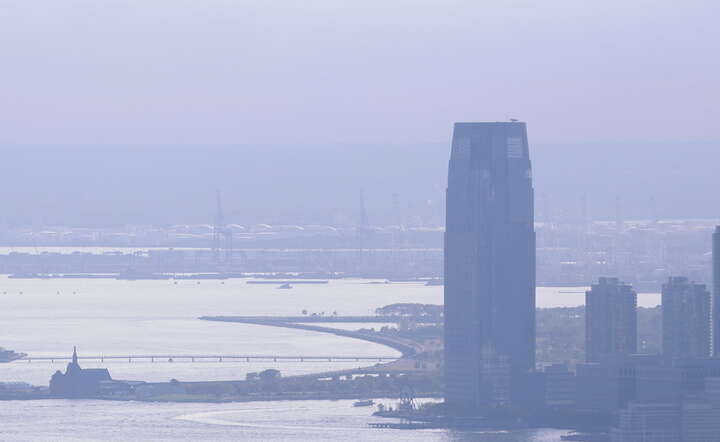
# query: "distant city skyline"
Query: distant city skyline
238,206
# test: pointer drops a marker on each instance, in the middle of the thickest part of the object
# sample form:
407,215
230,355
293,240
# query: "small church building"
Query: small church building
78,382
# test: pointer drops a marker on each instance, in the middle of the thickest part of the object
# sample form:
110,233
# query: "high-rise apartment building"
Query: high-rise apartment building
610,320
716,292
489,263
686,327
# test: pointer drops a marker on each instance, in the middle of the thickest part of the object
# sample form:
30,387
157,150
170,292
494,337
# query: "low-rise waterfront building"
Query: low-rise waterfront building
560,386
641,422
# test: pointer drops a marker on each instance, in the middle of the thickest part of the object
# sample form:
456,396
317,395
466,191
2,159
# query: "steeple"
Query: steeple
74,357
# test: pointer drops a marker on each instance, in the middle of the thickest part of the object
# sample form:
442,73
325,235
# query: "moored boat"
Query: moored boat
366,403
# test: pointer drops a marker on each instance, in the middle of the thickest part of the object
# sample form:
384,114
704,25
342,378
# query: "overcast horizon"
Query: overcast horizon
315,72
293,109
322,184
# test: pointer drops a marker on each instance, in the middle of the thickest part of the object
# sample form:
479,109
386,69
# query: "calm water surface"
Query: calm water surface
110,317
266,421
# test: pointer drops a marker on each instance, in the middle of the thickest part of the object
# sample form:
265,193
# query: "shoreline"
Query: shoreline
247,390
406,347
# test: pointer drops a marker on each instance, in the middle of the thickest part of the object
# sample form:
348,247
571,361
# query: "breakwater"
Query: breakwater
405,346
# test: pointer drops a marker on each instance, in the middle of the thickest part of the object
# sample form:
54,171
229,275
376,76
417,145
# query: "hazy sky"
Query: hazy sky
347,71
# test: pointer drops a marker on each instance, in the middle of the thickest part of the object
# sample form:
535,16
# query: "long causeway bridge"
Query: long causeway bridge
214,358
405,346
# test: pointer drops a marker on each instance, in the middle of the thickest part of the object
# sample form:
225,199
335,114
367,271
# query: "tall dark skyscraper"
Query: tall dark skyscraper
489,263
716,292
610,320
685,319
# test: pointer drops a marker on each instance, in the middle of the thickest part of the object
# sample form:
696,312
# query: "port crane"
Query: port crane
222,236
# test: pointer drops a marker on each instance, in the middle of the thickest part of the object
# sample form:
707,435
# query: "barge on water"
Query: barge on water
405,425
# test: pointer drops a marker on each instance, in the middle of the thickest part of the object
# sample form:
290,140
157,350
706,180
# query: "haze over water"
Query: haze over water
85,420
47,317
105,316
